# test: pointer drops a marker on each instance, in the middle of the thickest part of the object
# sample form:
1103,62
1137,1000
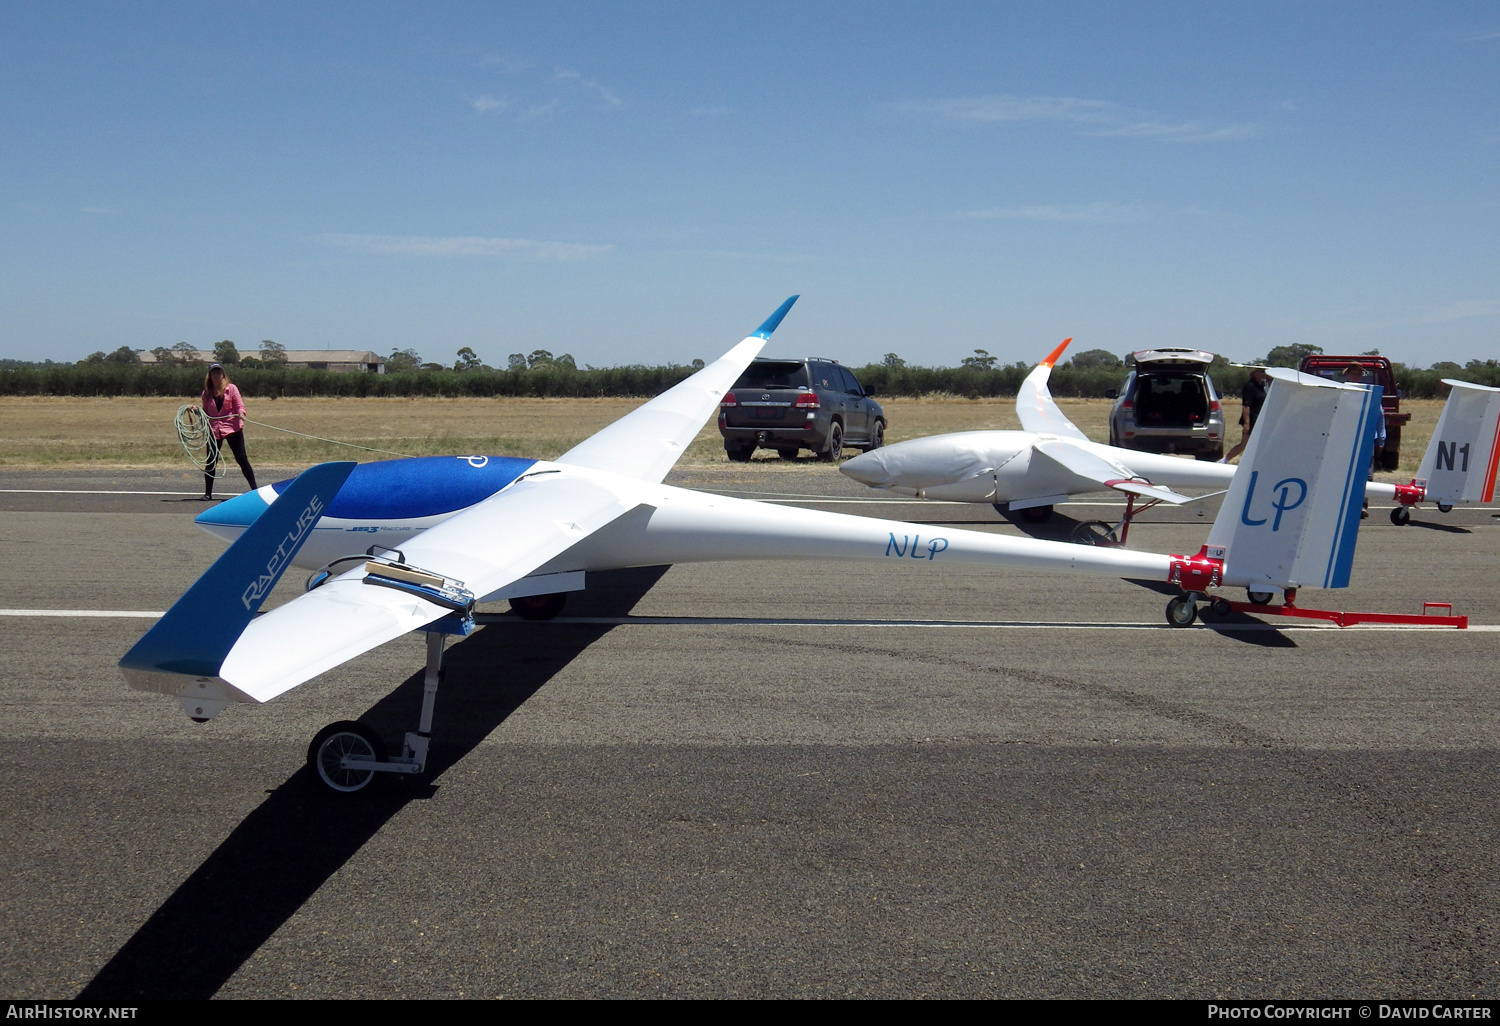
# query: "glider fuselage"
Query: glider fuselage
1002,466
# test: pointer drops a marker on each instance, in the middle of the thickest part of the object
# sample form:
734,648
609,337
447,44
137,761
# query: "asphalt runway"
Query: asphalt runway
768,779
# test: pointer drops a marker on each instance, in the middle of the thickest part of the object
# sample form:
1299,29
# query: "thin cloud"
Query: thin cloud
485,104
508,63
454,246
588,85
1074,213
1098,117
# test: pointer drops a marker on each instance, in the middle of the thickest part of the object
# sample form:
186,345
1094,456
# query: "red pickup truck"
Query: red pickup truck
1377,371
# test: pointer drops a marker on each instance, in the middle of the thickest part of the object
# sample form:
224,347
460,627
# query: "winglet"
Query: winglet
1056,354
1034,404
203,625
771,322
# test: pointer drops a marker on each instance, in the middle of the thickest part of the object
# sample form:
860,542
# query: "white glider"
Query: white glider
475,528
1028,471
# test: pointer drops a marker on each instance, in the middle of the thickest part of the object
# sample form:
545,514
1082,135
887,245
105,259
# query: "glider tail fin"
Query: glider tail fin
195,635
1464,452
1291,516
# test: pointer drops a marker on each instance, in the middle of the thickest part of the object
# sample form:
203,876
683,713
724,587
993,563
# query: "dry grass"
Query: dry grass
38,432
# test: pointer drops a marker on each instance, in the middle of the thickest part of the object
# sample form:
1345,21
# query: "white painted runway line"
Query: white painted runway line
140,614
487,619
98,491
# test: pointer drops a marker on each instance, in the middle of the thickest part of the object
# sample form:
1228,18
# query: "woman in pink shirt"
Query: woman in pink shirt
225,410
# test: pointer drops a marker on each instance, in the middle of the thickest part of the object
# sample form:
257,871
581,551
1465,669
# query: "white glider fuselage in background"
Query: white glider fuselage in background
1047,462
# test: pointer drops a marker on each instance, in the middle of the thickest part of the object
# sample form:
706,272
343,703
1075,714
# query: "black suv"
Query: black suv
791,405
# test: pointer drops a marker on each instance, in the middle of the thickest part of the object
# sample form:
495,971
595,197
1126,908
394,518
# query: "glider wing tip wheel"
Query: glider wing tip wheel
1182,611
1401,516
328,749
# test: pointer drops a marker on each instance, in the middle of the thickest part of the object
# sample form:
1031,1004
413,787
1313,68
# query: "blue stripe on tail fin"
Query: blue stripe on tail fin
203,625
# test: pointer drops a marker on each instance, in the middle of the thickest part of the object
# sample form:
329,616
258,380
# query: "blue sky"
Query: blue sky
645,182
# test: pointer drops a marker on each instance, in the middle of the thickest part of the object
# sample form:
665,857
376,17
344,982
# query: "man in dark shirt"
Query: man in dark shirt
1251,398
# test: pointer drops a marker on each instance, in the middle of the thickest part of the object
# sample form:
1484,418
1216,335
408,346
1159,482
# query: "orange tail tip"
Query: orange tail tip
1053,357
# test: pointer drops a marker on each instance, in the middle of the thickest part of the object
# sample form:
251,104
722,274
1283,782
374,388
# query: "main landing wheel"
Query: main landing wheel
1036,514
327,751
1401,516
1095,532
539,607
1182,611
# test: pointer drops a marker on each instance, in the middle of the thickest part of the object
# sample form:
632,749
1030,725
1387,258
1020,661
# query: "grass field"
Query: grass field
39,433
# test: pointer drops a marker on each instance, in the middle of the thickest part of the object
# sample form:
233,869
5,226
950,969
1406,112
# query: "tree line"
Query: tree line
179,372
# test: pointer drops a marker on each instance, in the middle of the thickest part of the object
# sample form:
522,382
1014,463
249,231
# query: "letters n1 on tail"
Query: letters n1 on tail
202,626
1291,516
1461,459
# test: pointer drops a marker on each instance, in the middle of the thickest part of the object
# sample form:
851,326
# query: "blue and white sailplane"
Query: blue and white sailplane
1051,460
412,545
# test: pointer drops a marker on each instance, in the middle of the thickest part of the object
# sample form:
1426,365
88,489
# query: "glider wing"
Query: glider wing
1034,404
647,442
1080,461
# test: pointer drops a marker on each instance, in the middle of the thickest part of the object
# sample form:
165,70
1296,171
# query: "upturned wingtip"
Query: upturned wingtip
1056,354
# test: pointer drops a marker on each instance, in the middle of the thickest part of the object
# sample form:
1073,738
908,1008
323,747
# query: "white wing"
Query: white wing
1077,460
647,442
1034,404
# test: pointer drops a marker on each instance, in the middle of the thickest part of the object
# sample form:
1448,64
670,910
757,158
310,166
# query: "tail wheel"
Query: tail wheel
333,743
1444,507
1260,598
1401,516
539,607
1182,611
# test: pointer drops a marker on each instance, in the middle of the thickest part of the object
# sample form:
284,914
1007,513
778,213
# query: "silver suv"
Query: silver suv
791,405
1168,404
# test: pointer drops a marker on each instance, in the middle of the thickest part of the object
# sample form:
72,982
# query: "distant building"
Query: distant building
314,359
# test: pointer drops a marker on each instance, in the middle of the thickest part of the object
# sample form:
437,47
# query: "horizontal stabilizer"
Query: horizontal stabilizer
1462,456
1291,516
196,634
485,549
1035,406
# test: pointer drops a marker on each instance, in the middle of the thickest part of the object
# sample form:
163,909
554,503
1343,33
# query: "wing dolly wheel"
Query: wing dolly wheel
1096,532
1182,611
1401,516
336,751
